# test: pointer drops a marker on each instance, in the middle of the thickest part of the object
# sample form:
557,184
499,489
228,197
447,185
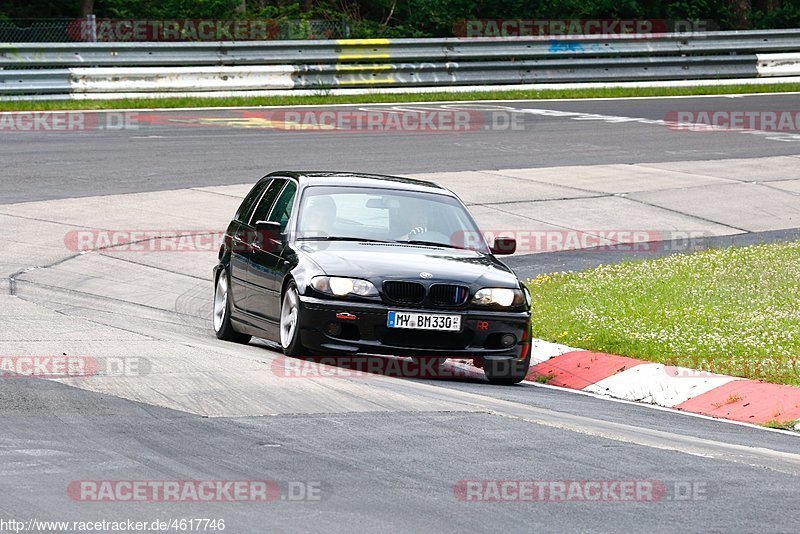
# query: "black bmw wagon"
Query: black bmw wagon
350,263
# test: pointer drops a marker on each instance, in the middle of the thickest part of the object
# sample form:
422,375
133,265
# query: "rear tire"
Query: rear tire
506,372
222,311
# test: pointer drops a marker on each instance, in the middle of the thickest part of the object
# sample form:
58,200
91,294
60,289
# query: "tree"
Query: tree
740,9
87,7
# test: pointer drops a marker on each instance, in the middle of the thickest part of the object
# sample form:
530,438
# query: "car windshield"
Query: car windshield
386,215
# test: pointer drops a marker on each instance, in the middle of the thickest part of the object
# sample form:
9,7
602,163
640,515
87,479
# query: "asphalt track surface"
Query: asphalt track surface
386,452
190,151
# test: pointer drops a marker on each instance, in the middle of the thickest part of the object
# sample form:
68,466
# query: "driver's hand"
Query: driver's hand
416,231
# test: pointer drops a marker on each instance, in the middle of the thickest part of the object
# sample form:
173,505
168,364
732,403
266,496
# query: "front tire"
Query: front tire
222,311
506,372
290,319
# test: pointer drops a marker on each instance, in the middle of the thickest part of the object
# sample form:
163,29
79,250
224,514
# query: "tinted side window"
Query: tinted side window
267,199
249,202
283,206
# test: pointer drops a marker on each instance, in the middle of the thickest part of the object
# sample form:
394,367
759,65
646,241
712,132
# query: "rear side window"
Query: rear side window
248,204
283,206
267,199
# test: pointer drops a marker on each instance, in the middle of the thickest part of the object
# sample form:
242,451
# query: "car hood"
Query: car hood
378,261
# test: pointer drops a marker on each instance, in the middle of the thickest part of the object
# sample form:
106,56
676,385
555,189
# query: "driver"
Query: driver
319,215
423,224
418,221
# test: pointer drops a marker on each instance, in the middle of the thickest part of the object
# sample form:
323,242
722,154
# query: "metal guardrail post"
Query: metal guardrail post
90,28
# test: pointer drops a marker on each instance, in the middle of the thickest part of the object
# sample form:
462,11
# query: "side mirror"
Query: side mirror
268,235
504,245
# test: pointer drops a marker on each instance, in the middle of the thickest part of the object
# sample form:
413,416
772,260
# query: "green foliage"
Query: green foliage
166,9
781,425
786,16
16,9
421,18
718,11
289,10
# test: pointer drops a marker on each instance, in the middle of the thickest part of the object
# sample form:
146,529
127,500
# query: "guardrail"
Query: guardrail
95,68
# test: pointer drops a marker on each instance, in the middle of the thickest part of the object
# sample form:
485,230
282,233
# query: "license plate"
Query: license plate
424,321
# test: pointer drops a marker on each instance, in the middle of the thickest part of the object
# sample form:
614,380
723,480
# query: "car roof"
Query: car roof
359,179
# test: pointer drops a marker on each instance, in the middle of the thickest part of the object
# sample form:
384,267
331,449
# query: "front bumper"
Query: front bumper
366,331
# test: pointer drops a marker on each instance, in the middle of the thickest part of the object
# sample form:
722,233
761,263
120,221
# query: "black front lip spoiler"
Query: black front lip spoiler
316,311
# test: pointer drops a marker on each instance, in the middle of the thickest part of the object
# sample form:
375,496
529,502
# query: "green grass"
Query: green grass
175,102
733,311
782,425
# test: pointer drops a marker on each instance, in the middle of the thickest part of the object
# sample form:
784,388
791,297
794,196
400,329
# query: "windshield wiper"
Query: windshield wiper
430,244
342,238
367,240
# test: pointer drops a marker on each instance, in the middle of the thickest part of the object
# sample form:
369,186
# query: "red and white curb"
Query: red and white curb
679,388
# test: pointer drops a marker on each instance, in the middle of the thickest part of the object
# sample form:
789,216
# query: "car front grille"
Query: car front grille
404,292
448,295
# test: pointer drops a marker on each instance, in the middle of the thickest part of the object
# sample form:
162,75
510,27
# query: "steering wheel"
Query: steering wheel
423,234
417,231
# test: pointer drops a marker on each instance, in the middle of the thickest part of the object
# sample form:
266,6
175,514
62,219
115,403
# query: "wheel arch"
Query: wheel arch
301,275
288,279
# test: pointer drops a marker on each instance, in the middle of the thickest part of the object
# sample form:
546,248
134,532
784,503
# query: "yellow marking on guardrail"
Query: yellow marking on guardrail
361,68
361,74
368,81
357,49
348,42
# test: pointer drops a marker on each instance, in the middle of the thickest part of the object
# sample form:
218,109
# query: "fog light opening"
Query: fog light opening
508,340
333,329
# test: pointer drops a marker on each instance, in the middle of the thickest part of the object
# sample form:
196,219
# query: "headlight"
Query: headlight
340,286
499,296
